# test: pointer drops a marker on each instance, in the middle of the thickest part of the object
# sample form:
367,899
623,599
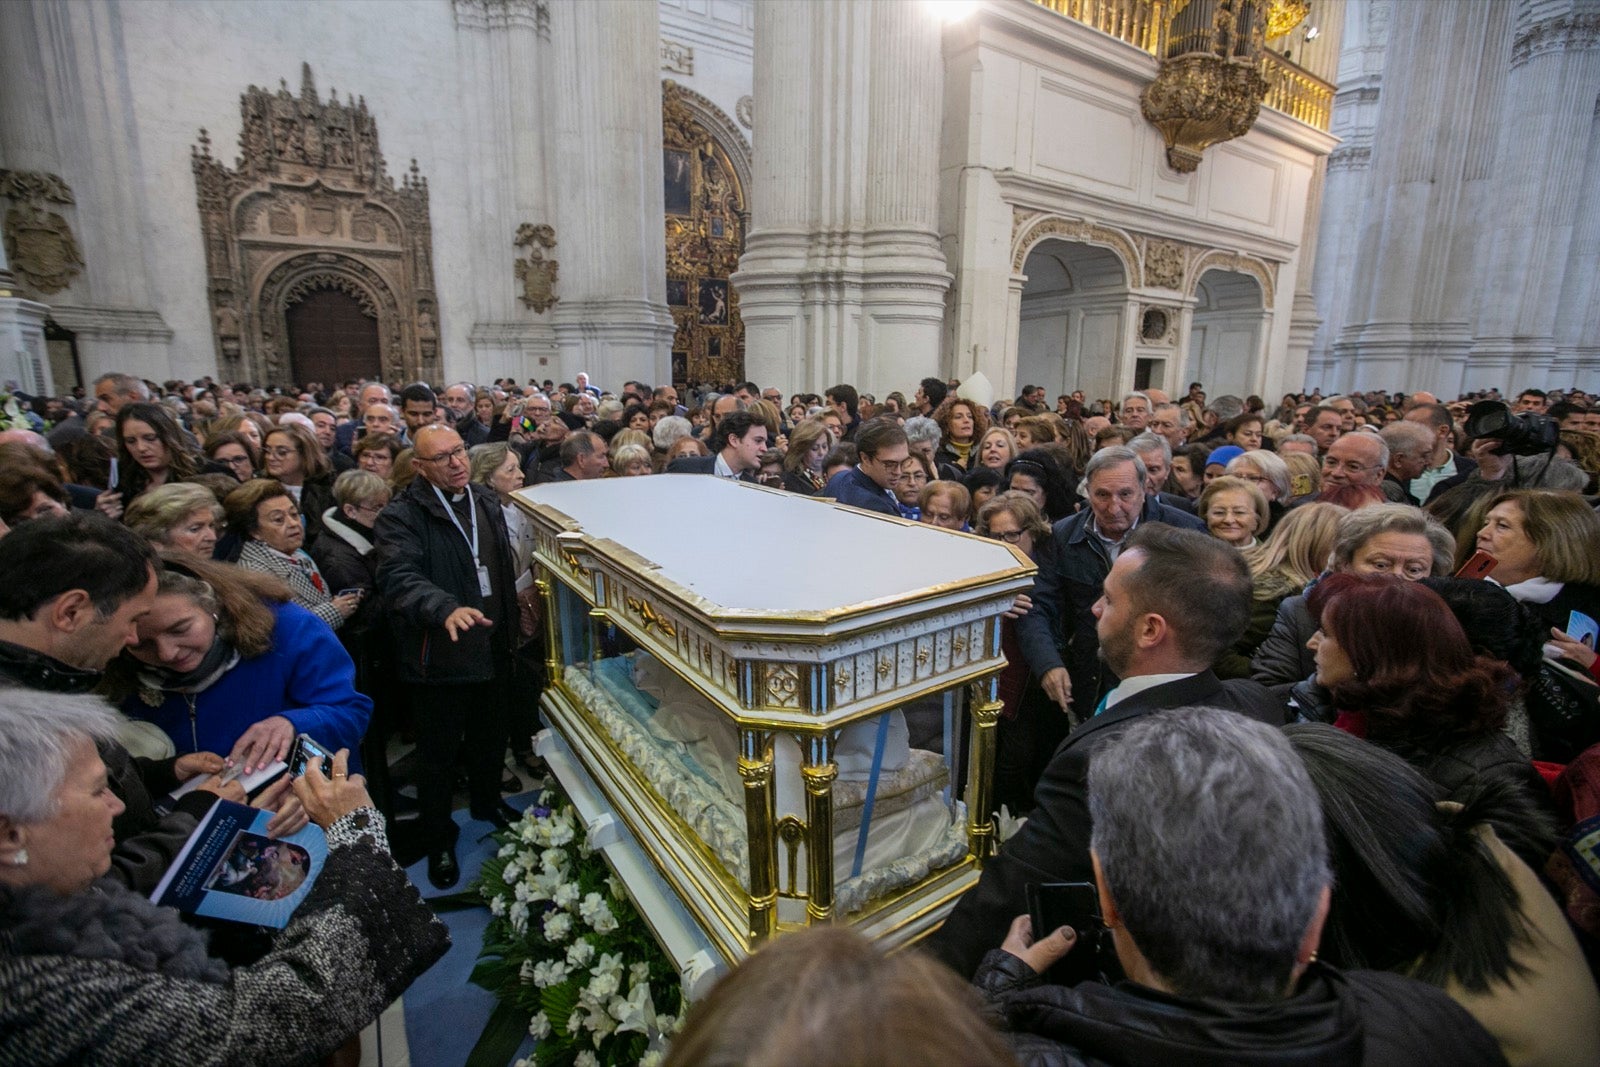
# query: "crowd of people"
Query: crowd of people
1309,695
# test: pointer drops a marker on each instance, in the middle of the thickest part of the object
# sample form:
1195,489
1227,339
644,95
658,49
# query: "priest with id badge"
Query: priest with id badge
448,581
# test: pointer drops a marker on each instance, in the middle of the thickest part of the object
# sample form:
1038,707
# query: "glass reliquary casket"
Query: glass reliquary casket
770,710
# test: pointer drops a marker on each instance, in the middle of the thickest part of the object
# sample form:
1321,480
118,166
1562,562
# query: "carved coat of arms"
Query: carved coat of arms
40,244
536,273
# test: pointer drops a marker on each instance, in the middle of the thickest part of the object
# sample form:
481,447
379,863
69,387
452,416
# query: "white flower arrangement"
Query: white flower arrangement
567,950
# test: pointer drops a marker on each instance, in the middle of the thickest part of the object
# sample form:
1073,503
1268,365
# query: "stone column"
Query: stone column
1577,359
604,159
1551,86
23,357
1408,306
843,279
504,58
66,111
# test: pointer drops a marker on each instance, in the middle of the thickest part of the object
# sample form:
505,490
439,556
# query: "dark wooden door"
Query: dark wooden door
332,340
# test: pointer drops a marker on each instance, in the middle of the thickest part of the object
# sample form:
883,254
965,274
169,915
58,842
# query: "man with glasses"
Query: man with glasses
446,574
1355,459
870,484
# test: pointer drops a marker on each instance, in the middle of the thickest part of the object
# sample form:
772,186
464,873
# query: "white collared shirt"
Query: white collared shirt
1130,686
721,469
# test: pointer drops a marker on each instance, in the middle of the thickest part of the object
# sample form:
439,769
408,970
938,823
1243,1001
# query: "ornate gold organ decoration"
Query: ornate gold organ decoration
40,244
1210,85
1216,70
537,274
706,219
309,205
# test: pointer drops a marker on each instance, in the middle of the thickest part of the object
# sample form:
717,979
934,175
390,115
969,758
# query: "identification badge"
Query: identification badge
483,580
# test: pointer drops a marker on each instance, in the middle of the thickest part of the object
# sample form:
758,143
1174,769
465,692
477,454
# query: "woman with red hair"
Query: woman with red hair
1403,675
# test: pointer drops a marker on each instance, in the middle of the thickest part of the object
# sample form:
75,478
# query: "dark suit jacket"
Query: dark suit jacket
1060,630
1177,501
854,488
702,465
1054,844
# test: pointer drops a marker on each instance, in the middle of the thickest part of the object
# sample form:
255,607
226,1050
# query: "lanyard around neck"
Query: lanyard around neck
472,542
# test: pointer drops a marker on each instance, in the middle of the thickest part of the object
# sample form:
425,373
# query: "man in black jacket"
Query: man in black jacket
1213,881
446,574
1058,635
1173,602
737,444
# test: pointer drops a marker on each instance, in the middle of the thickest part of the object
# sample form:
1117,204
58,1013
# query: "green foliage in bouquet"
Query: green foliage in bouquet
567,951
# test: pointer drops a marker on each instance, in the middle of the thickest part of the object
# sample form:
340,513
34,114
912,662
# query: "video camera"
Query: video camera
1527,434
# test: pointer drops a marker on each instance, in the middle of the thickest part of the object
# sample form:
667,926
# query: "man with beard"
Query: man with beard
1174,601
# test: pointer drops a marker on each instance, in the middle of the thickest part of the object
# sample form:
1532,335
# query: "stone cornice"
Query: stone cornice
1567,33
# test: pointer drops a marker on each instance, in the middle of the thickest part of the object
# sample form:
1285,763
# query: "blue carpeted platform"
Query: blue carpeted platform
444,1011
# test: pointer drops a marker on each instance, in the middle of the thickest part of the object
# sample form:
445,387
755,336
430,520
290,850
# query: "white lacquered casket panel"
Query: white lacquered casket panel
729,669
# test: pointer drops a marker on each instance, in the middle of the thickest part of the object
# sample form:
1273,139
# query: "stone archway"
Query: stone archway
1072,319
291,279
311,205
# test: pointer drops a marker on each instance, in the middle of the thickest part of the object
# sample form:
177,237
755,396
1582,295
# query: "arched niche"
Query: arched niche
1072,320
290,280
1228,331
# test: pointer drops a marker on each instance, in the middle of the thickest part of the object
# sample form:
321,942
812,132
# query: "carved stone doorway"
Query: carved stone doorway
332,339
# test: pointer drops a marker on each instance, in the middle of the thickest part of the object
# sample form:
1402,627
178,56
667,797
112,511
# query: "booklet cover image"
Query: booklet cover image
230,868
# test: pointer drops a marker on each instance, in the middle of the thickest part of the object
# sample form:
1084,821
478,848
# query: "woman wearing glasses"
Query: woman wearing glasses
293,457
235,452
1031,726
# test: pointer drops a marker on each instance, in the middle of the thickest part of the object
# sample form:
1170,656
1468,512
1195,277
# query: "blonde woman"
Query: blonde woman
1234,511
182,516
996,448
1288,561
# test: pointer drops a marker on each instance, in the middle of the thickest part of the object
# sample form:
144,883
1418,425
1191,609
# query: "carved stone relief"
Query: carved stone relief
677,57
745,111
309,204
1159,262
1163,264
40,244
537,274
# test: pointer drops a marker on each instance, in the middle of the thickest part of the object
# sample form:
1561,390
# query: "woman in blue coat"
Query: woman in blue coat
226,662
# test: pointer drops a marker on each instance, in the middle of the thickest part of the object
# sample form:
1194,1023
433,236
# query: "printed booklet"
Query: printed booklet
230,869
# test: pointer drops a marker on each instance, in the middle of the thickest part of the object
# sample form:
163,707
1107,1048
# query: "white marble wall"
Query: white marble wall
1459,238
111,97
1042,124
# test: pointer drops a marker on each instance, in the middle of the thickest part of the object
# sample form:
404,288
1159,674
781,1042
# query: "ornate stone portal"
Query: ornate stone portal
310,205
706,221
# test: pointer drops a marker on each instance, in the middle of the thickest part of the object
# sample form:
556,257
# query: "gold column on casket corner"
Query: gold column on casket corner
795,619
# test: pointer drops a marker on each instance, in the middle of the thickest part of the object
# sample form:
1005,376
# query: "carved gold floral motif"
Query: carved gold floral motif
575,565
648,615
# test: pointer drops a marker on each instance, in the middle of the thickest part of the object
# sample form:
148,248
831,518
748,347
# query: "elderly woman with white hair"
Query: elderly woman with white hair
181,516
1381,539
1268,472
93,972
1221,968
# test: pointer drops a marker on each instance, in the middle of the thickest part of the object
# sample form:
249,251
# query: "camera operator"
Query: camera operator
1518,449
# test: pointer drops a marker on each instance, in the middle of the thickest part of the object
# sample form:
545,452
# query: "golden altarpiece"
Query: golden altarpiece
732,723
706,221
310,205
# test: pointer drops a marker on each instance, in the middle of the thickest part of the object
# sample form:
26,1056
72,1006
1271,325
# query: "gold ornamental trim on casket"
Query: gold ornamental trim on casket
790,667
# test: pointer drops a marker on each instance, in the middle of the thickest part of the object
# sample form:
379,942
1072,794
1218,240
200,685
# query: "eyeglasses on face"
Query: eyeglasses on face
457,453
1331,464
1010,537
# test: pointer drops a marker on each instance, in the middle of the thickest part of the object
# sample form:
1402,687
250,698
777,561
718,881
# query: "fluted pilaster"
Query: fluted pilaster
605,157
842,277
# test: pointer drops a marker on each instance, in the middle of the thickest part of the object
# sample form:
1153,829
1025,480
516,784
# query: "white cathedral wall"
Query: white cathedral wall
1050,110
187,65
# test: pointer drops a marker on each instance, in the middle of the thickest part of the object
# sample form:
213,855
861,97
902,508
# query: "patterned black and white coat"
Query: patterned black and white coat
107,977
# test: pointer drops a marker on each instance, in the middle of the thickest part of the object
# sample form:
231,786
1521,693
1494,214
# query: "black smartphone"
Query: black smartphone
303,751
1052,905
